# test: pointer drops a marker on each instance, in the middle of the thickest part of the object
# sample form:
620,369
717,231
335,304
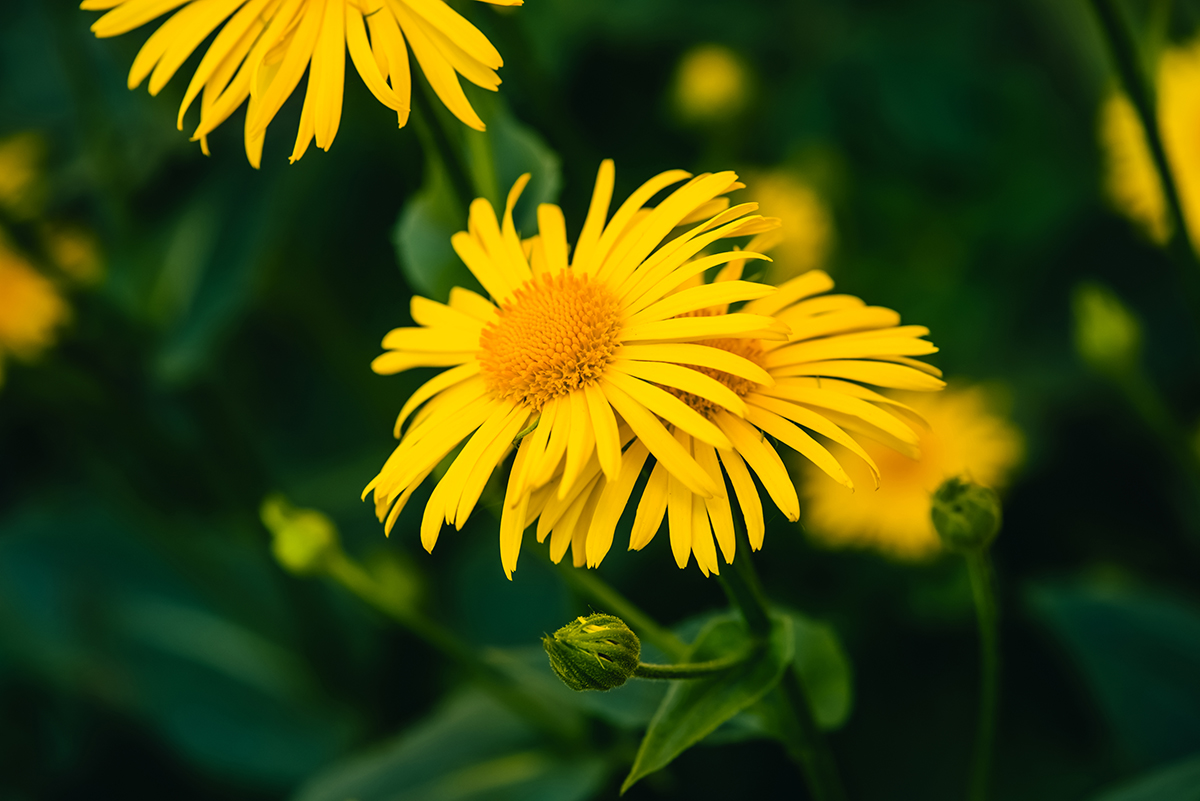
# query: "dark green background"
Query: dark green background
151,648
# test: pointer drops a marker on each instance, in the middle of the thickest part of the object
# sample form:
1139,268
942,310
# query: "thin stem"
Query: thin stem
689,670
1140,89
438,143
804,740
588,584
354,577
979,566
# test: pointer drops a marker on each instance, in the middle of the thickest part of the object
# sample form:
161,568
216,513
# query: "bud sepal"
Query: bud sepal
597,652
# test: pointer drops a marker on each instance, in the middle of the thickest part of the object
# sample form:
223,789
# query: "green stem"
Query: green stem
804,740
590,585
1140,89
689,670
440,144
979,566
356,579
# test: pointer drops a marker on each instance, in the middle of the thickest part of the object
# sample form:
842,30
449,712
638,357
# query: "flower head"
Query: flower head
573,362
263,47
31,308
712,84
806,235
1132,179
963,436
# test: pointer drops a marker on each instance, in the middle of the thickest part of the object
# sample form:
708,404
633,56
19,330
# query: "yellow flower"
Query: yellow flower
264,47
570,356
806,235
964,437
711,84
1132,180
30,309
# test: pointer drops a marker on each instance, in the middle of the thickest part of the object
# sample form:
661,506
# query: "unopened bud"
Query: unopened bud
597,652
303,539
967,516
1107,335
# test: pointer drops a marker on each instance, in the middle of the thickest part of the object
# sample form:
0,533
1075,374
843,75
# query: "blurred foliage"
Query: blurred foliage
151,647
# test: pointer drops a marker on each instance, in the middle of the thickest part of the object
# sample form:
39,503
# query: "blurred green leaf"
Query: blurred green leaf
471,749
495,159
1179,782
691,710
1140,654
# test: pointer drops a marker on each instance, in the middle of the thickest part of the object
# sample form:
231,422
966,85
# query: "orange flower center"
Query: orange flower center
750,349
556,334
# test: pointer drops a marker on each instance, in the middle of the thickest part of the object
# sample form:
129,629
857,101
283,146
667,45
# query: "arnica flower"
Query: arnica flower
264,46
31,308
963,436
1132,180
712,84
570,356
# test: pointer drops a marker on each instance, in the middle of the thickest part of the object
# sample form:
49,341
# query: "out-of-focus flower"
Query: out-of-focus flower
73,250
712,83
263,48
303,540
1132,180
31,308
1107,335
22,190
806,235
567,361
965,515
965,437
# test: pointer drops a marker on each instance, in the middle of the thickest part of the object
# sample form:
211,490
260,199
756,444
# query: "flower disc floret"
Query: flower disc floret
557,334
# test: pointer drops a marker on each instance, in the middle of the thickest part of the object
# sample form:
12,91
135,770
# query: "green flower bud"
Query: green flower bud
303,539
1107,335
966,515
597,652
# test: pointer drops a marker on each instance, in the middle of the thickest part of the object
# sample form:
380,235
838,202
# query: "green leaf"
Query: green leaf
693,709
1140,655
1179,782
472,749
825,671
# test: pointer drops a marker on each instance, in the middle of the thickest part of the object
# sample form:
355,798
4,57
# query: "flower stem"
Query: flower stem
804,740
590,585
355,578
440,146
979,565
1140,89
689,670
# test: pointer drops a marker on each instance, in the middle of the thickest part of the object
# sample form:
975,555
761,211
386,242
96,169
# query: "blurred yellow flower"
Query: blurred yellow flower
712,83
74,251
1132,181
806,235
30,309
567,360
965,437
21,187
264,47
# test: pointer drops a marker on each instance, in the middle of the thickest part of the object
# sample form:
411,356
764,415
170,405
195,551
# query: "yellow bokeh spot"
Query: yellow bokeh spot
21,187
806,235
712,84
966,437
74,251
556,334
1132,181
31,308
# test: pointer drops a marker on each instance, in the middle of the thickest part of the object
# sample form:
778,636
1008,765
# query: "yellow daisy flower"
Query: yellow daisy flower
814,385
964,437
806,237
264,46
567,359
30,309
1132,179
